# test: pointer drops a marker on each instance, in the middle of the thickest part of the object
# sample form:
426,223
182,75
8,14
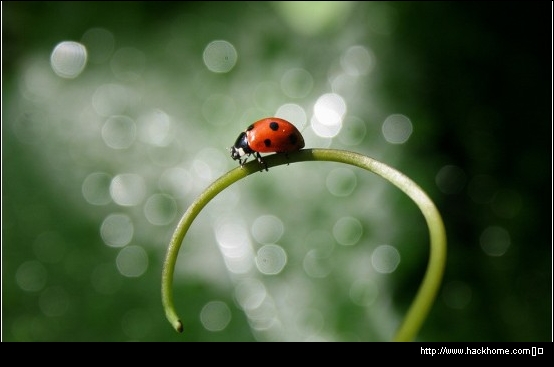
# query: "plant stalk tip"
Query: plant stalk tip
427,292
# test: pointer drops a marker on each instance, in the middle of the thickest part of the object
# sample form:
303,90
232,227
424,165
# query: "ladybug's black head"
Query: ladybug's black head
241,147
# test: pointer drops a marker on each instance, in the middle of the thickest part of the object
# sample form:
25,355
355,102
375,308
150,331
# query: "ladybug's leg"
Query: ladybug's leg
242,161
287,157
259,158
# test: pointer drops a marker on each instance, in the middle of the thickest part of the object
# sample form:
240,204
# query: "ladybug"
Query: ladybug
267,135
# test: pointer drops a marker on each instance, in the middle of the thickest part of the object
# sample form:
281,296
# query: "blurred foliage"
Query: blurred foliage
471,76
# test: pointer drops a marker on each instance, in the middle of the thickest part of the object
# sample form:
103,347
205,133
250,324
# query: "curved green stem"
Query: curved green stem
428,289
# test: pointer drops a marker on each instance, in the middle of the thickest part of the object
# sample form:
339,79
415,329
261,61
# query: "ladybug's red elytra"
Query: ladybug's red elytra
268,135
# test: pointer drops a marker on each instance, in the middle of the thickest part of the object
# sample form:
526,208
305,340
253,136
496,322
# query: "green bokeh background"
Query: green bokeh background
473,79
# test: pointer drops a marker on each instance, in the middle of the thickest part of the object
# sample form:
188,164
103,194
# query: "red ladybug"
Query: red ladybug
268,135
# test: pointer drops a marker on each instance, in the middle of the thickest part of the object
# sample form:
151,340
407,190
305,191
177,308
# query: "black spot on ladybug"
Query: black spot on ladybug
250,127
273,126
293,138
267,142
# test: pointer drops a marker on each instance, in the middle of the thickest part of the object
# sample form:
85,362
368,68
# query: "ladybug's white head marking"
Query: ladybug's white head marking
237,152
